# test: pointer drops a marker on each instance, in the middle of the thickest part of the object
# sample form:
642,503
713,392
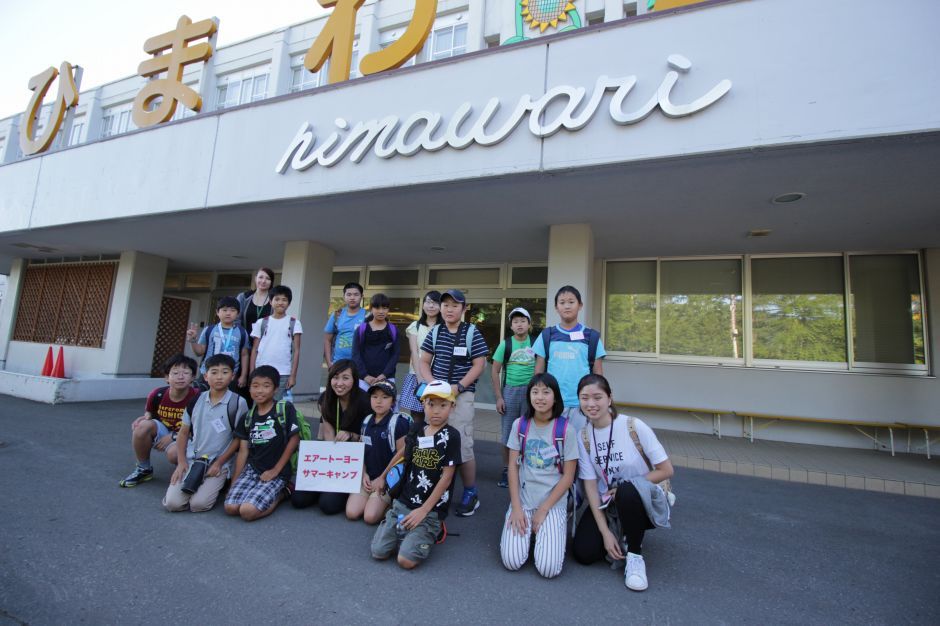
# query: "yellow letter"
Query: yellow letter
408,45
335,41
66,97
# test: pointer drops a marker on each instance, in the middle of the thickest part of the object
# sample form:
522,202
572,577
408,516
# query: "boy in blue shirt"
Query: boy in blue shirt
338,333
574,350
226,337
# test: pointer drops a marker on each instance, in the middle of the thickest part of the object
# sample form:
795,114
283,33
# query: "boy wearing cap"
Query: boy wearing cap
226,337
431,452
455,352
513,367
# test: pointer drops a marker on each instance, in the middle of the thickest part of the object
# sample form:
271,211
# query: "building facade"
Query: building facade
743,190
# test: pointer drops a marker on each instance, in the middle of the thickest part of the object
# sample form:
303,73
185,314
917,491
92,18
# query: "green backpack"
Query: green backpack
304,427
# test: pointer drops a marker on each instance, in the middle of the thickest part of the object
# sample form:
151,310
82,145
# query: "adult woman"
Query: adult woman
256,304
343,406
416,332
621,464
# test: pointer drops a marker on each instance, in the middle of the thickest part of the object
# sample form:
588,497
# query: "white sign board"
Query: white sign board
330,466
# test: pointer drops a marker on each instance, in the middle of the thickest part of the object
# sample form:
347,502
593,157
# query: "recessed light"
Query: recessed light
789,197
437,248
759,232
238,256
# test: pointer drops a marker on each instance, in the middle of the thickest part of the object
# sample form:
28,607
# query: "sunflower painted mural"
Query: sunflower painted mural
561,15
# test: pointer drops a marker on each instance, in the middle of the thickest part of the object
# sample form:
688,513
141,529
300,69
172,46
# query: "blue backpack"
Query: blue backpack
591,338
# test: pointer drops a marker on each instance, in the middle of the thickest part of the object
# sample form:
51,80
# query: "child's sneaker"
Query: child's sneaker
504,479
139,475
469,504
634,575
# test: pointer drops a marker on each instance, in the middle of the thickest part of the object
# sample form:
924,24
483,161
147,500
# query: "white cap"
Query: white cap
438,389
519,309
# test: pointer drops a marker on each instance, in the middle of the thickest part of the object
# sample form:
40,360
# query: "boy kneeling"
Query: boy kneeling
432,452
268,439
204,464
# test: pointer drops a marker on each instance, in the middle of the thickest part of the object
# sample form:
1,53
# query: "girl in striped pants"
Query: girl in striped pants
543,458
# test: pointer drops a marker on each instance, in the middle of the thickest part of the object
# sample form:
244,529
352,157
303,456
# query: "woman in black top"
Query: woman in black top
343,406
256,304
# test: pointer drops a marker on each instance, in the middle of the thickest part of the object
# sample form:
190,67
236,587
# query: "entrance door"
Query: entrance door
171,332
488,317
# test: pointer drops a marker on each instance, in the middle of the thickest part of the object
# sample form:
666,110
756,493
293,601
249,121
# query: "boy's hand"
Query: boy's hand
414,518
243,380
500,406
214,470
163,442
537,518
291,381
517,522
191,334
268,476
179,473
369,379
454,390
138,421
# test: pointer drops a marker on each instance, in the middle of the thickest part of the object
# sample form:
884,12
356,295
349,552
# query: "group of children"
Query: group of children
558,425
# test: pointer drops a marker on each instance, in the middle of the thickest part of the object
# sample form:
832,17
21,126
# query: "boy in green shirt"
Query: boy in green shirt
513,367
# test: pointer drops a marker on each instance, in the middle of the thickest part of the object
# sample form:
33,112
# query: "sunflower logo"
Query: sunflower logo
541,14
544,13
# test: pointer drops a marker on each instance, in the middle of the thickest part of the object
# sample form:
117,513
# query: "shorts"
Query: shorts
576,419
407,400
514,397
250,489
414,545
461,418
162,431
387,499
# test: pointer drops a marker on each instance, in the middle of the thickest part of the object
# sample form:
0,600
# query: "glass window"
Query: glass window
887,309
301,78
464,276
199,281
449,41
406,277
530,275
798,309
242,87
344,277
700,308
631,307
230,281
535,307
75,137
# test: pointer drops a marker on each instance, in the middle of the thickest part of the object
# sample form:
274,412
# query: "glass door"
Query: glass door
487,315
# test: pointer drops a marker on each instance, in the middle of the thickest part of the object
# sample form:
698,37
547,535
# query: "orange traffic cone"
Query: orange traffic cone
47,366
58,371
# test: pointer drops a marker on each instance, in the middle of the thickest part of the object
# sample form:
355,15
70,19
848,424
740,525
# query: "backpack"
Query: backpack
242,337
303,427
290,331
468,343
389,429
591,338
361,331
558,436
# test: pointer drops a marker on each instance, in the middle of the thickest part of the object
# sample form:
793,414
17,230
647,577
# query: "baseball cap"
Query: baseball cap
455,294
438,389
386,386
519,310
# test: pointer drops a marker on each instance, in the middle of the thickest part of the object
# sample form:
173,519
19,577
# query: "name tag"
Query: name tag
576,336
218,425
425,442
366,439
461,351
549,453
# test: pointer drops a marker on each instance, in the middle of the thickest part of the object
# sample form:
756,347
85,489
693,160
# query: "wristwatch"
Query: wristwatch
460,388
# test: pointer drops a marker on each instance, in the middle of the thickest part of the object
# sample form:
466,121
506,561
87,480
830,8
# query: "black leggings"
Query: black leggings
330,503
588,545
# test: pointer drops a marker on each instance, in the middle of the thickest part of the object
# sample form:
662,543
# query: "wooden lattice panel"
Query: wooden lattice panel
171,332
65,304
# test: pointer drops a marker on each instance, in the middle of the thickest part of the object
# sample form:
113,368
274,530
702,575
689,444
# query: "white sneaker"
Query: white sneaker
634,575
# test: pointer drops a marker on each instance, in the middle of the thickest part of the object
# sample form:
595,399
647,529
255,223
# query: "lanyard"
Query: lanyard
337,419
226,340
610,439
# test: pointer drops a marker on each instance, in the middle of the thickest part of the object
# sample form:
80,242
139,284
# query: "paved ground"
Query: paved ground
75,548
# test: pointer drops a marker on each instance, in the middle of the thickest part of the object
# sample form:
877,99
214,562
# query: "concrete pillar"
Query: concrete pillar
571,262
134,315
368,33
476,19
308,271
613,9
9,306
279,79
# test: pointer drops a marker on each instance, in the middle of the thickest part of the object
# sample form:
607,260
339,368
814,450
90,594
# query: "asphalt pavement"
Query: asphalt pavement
76,548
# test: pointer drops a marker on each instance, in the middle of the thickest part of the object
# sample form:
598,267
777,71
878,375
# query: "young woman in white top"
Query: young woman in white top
609,459
416,332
